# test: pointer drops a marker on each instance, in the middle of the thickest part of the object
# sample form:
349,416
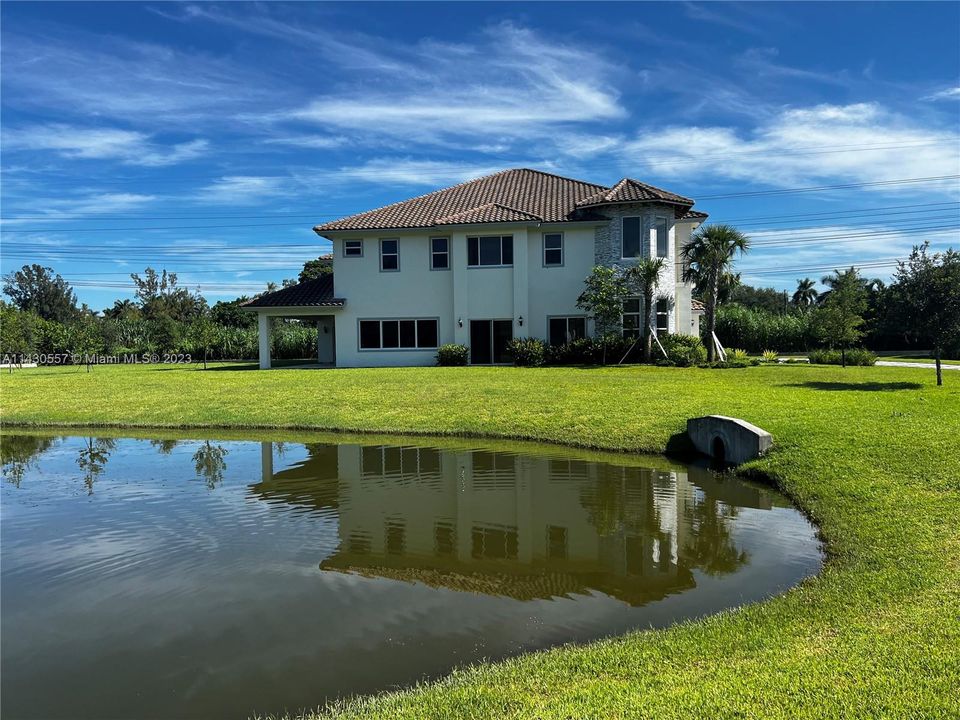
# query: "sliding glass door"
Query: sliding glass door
488,341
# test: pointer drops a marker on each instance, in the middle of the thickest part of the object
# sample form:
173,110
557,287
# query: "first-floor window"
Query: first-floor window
399,334
632,320
663,316
567,329
389,254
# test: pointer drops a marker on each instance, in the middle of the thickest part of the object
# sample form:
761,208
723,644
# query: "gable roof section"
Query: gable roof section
694,215
532,194
310,293
629,190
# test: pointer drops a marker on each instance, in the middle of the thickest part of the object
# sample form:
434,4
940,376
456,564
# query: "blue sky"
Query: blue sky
209,138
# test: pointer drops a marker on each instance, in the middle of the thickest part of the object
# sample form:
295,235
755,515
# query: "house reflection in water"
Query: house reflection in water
519,526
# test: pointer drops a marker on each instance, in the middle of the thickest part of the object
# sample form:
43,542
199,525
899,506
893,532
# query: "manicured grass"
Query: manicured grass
872,454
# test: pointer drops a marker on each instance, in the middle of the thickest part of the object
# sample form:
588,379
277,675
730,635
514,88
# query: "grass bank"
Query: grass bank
872,454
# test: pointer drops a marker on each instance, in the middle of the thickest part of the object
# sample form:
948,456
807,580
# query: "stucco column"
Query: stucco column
263,334
461,288
521,292
266,461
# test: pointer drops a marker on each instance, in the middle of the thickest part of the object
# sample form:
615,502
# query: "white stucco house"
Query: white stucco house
482,262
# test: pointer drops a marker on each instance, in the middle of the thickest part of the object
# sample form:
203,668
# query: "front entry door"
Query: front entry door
488,341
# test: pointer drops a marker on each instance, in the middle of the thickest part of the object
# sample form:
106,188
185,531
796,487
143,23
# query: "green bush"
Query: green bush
770,356
527,352
452,354
684,350
855,356
594,351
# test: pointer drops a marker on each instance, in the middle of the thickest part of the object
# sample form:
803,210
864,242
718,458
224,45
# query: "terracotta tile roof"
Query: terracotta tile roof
507,196
697,306
310,293
694,215
489,213
630,190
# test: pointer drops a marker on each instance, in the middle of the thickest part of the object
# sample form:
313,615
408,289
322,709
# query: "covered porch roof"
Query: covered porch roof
317,293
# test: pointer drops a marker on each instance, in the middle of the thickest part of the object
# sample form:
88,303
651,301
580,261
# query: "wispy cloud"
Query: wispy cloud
414,172
725,16
950,93
511,84
863,142
242,190
128,146
42,210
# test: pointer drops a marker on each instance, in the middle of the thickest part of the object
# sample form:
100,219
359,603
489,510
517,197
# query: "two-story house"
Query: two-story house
479,263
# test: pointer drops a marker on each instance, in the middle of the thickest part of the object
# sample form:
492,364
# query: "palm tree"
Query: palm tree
707,256
645,276
805,296
122,310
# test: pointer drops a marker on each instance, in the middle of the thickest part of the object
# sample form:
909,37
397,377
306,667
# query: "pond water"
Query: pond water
162,578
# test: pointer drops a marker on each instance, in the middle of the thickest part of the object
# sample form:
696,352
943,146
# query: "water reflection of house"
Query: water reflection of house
514,525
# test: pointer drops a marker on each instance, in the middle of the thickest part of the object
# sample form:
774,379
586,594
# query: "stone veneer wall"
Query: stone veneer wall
607,246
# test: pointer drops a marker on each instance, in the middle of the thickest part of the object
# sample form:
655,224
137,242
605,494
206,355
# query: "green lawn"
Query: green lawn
872,454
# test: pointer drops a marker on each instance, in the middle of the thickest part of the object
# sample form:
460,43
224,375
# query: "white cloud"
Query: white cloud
414,172
950,93
513,84
242,190
127,146
862,142
41,210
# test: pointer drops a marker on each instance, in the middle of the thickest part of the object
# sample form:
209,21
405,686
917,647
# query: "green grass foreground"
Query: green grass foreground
871,454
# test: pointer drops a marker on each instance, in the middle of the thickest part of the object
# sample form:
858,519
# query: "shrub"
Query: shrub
527,352
770,356
684,350
756,330
452,354
855,356
737,355
594,351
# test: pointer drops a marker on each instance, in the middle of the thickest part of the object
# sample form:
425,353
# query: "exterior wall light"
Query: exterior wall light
520,320
460,322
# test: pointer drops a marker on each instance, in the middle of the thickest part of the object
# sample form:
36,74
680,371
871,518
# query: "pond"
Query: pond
168,577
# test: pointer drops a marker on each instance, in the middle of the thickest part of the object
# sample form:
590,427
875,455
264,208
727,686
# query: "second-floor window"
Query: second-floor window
490,251
631,240
439,253
663,237
353,248
552,249
389,255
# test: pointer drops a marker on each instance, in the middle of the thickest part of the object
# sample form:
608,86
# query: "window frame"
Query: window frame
623,236
434,253
480,264
666,235
417,347
396,254
665,313
543,250
344,252
639,314
567,318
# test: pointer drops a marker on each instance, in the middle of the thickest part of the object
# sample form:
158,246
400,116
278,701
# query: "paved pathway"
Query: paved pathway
927,366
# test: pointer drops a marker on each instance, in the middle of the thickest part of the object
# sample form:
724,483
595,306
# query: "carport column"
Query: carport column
264,337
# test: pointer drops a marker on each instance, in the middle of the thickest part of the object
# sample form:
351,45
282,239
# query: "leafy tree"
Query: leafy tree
312,269
707,256
122,310
645,277
18,331
209,462
927,287
38,290
230,314
86,339
840,317
602,297
754,298
805,295
93,458
160,296
203,333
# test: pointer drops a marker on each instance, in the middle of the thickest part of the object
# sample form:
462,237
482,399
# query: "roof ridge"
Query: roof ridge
657,189
516,210
561,177
419,197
